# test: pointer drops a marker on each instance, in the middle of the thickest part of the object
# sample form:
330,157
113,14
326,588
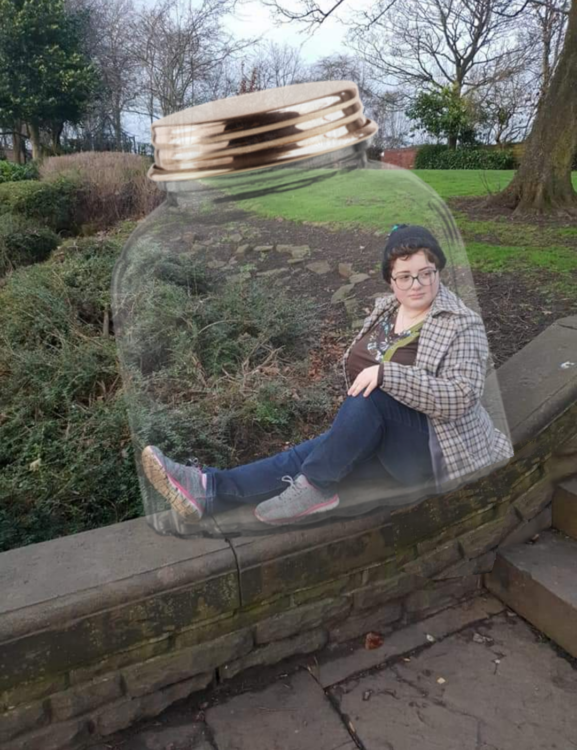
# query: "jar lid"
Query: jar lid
257,130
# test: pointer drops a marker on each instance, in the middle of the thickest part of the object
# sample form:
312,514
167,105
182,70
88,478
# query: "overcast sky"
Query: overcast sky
252,18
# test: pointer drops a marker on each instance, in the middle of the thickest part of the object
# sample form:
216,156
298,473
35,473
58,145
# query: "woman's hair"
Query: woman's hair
403,251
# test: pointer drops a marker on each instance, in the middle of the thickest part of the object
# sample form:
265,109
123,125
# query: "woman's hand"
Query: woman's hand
366,380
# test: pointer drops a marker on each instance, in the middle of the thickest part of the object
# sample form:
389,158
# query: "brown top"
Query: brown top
380,344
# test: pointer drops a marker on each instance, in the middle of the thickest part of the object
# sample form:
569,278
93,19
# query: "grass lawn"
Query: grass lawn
375,199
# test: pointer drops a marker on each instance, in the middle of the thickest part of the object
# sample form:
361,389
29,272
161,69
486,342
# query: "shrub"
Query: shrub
440,156
49,204
221,364
23,242
69,426
110,186
10,172
65,457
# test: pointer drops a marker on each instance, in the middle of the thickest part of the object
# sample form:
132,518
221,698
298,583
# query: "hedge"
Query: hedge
440,156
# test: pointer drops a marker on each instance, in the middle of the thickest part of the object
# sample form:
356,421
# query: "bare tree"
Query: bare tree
381,104
280,65
222,81
270,65
434,43
413,45
110,45
547,27
178,48
507,109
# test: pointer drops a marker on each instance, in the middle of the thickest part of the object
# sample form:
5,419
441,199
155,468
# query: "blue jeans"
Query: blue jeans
374,435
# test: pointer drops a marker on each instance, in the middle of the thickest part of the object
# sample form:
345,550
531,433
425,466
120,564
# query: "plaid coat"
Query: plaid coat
446,383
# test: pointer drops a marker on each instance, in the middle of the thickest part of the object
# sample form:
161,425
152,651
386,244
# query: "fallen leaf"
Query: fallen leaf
441,680
373,640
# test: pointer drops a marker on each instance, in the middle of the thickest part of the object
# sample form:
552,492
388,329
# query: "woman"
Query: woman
415,374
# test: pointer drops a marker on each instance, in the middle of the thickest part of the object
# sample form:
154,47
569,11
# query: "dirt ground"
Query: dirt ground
515,308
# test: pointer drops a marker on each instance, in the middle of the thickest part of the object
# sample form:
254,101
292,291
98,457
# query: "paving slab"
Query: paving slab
334,667
495,685
291,714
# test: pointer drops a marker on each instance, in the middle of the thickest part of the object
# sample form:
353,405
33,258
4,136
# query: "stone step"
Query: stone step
539,582
565,507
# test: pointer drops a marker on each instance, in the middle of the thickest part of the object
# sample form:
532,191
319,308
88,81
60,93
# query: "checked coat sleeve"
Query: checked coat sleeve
458,383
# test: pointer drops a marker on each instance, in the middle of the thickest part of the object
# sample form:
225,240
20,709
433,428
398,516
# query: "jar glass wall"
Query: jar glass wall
233,303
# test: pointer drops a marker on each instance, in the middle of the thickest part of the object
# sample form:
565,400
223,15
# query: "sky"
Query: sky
253,19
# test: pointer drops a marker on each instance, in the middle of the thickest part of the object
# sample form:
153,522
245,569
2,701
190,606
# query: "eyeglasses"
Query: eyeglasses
406,280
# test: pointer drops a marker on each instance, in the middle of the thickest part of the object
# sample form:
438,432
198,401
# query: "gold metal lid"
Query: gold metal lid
257,130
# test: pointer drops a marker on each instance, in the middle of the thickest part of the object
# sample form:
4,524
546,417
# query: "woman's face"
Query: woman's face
418,296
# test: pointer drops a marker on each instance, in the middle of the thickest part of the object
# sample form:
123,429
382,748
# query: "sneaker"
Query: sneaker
181,485
298,501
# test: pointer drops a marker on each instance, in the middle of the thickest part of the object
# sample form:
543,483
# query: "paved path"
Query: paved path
496,684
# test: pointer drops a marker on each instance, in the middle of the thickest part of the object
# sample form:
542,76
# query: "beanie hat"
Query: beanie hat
410,235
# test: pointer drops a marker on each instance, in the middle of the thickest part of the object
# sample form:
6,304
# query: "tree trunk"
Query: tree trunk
452,142
57,129
542,183
117,124
34,131
17,144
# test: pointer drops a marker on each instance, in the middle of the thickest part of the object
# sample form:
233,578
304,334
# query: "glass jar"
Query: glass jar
234,300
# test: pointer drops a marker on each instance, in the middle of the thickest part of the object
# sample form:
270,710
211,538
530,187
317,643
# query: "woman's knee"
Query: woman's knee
359,402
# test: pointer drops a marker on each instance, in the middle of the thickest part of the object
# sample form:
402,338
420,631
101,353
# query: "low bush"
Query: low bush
47,204
23,242
65,459
440,156
229,357
218,372
109,186
10,172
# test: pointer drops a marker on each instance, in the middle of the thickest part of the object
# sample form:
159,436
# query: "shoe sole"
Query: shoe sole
319,508
184,504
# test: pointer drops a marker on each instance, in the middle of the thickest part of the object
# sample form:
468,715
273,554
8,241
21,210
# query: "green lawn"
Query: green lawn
451,183
375,199
369,197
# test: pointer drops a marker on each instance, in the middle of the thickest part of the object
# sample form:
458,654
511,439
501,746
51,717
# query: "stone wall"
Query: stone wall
104,628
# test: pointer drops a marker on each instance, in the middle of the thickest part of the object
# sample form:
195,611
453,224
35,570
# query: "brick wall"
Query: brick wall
400,157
